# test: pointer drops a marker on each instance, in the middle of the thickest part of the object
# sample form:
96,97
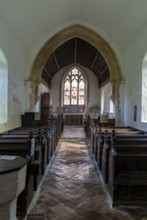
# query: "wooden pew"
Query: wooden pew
128,139
14,146
128,173
52,133
36,167
101,139
41,142
107,133
47,135
25,135
97,136
15,142
95,143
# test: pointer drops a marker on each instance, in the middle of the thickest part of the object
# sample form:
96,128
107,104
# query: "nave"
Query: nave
73,189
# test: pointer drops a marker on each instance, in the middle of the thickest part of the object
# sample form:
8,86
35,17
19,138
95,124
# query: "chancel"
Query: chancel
73,113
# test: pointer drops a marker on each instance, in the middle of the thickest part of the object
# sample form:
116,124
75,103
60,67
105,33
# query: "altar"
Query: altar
73,114
73,119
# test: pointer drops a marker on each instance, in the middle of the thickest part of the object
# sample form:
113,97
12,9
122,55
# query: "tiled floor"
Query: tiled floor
73,132
72,188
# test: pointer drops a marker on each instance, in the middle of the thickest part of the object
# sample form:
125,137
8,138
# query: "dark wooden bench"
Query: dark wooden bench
127,159
98,137
49,139
125,139
103,136
15,142
36,168
95,143
41,144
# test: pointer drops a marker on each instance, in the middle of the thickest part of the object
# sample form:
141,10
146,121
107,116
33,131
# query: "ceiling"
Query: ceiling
121,20
76,51
117,20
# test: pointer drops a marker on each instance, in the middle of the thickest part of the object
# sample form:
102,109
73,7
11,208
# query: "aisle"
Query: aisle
72,188
73,132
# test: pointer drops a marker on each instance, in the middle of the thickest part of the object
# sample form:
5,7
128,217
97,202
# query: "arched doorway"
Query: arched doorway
94,39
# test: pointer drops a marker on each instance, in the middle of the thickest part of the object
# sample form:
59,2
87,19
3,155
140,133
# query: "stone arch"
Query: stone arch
94,39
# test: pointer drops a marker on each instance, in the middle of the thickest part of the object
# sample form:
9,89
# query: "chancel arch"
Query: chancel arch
95,40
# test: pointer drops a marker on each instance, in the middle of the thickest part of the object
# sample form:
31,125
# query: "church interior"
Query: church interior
73,110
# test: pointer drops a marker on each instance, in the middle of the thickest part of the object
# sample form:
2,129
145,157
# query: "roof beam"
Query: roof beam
75,58
94,60
56,60
47,72
44,82
102,72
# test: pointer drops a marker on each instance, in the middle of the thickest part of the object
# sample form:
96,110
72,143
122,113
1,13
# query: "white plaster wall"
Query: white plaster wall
133,79
14,54
42,88
122,103
94,93
55,93
106,92
56,88
3,91
144,91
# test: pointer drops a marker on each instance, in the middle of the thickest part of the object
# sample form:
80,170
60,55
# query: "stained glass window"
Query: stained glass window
74,88
81,92
67,93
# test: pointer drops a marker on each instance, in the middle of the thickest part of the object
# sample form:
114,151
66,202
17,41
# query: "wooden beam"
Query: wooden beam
94,60
102,72
47,72
56,60
75,58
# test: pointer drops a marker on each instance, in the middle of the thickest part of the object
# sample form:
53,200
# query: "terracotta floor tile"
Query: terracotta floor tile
72,188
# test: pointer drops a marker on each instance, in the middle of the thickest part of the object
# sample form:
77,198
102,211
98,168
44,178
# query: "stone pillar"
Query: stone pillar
117,104
34,97
115,99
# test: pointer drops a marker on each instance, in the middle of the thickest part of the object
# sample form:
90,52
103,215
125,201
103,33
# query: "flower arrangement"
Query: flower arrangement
95,108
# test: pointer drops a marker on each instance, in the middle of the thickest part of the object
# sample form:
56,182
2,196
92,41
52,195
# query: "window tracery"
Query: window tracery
74,88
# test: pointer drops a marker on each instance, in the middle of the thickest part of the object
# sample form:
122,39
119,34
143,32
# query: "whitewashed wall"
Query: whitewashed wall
14,54
105,94
133,79
42,88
